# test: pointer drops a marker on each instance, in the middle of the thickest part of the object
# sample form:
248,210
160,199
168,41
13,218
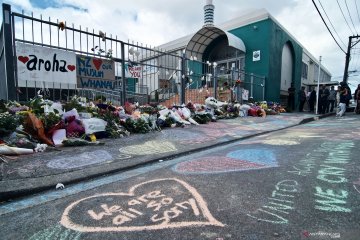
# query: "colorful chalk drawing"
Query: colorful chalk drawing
220,130
240,160
280,142
152,205
355,185
24,170
280,204
286,138
150,147
180,135
57,232
83,159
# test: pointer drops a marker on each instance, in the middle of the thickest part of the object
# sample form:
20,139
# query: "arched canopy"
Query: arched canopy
201,39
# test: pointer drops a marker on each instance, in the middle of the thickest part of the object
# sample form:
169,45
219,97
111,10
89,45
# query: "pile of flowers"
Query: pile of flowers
40,122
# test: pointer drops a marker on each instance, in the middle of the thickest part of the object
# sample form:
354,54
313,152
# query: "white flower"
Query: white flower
40,147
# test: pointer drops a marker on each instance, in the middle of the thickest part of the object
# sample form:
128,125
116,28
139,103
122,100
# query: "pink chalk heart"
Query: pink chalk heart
71,67
97,63
23,59
152,205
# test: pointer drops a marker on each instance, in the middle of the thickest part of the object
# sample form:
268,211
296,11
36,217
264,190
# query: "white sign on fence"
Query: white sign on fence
95,72
42,64
245,94
133,71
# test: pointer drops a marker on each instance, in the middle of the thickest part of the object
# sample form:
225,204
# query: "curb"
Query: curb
31,186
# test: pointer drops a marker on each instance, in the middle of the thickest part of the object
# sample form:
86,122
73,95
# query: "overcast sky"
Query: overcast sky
155,22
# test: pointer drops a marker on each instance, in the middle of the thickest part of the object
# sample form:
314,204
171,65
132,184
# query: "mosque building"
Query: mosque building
260,50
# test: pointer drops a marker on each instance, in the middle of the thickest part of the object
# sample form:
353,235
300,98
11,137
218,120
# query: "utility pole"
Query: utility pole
318,86
347,59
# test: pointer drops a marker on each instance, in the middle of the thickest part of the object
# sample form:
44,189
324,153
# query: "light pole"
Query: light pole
215,85
317,90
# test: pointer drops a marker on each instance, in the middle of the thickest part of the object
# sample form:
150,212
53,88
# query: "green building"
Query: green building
254,48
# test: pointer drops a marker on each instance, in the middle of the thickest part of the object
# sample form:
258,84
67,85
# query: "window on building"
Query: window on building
304,73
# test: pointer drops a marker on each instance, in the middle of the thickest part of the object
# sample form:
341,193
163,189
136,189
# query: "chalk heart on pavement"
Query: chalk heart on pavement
150,147
151,205
239,160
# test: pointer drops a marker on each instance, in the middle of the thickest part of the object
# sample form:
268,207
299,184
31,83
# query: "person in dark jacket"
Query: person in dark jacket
312,100
323,99
302,98
291,97
343,99
357,99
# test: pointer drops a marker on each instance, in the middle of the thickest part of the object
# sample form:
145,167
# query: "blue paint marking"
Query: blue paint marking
81,187
256,155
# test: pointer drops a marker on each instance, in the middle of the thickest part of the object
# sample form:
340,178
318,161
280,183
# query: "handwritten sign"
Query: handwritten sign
133,71
44,64
245,94
151,205
95,72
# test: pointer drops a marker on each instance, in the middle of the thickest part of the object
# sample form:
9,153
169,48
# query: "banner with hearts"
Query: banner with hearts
95,72
44,65
152,205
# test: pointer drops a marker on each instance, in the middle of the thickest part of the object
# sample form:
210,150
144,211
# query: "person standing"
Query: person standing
302,98
357,99
324,94
312,100
343,99
291,97
331,100
348,98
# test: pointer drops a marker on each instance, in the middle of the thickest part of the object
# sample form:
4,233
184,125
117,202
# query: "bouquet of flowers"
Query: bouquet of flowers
8,123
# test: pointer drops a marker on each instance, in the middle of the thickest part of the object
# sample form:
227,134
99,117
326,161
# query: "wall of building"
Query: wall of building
269,38
278,39
256,38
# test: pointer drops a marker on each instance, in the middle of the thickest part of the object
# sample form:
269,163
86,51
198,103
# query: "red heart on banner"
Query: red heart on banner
97,63
71,67
23,59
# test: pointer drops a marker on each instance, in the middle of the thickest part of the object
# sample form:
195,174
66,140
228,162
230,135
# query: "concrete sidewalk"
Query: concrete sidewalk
29,174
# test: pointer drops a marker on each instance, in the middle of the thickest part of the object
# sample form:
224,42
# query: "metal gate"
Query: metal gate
140,70
143,73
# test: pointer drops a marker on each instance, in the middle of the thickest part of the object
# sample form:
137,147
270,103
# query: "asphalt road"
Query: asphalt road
298,183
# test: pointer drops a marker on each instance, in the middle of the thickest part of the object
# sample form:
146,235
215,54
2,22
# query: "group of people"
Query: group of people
328,99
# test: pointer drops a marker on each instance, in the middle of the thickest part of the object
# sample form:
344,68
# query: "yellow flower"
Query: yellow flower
92,137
